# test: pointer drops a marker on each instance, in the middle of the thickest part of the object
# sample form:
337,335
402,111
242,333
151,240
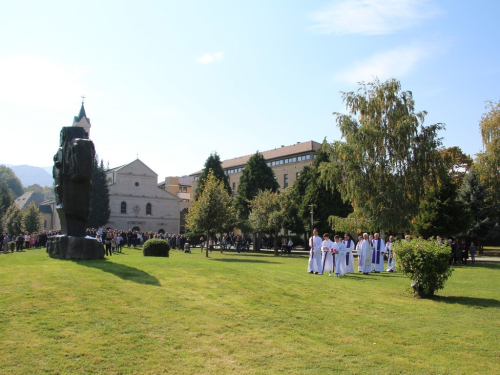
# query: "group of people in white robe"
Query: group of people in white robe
337,258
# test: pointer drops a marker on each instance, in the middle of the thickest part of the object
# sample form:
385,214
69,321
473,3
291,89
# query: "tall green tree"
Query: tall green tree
8,176
256,176
214,210
456,163
6,198
12,221
311,189
99,205
268,213
441,213
487,163
32,219
474,194
212,163
387,159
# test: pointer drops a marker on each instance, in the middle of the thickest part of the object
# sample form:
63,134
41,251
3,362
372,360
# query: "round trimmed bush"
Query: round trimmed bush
426,263
156,247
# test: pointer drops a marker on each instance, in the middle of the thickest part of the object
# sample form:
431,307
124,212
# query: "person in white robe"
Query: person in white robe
378,252
328,258
349,257
366,255
314,265
359,245
391,264
340,252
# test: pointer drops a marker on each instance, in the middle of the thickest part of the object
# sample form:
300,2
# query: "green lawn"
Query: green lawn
233,313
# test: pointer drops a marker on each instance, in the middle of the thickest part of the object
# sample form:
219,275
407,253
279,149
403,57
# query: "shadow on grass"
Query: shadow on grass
122,271
468,301
234,260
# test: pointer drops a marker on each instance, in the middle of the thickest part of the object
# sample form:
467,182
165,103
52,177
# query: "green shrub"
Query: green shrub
12,246
156,247
424,262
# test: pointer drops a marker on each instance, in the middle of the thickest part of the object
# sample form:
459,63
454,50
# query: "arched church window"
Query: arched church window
148,209
123,209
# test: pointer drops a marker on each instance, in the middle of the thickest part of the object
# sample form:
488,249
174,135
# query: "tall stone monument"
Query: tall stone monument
72,172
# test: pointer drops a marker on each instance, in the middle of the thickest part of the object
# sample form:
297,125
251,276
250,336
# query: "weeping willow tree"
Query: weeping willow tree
386,159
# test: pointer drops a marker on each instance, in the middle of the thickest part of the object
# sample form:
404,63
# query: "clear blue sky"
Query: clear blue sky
173,81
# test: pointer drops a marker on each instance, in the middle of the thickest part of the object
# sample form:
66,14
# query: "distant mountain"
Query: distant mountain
32,175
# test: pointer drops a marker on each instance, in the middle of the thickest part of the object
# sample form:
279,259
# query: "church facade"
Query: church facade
138,203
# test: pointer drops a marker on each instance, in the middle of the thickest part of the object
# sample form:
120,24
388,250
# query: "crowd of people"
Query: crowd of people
25,240
336,257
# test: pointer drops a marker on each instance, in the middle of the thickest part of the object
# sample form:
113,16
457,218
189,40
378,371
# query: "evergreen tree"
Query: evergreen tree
256,176
212,163
12,221
100,211
441,213
474,194
32,218
311,189
8,176
6,198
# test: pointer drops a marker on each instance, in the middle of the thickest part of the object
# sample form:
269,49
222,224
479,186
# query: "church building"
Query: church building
138,203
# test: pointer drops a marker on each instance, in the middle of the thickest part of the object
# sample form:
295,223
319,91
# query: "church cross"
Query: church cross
83,98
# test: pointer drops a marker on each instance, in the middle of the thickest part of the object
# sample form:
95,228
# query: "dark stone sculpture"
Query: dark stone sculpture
72,172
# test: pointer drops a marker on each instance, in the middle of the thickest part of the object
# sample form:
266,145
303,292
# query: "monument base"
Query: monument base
68,247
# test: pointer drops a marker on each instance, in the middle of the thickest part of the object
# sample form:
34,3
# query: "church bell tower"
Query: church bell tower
82,120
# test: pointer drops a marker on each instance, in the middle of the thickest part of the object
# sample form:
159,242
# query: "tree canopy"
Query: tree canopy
257,176
99,205
212,163
12,181
387,159
32,219
268,213
213,211
311,189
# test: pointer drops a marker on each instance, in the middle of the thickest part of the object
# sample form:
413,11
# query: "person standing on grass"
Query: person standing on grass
359,246
340,262
366,255
349,257
464,252
314,265
327,255
5,243
391,265
473,249
378,253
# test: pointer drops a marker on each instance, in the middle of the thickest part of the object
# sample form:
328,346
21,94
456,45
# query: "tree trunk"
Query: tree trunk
206,243
275,243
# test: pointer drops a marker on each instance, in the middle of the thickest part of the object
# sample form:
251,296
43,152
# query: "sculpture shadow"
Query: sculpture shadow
122,271
468,301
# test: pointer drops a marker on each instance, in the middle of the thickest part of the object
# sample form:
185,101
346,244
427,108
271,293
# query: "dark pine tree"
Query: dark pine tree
212,163
99,205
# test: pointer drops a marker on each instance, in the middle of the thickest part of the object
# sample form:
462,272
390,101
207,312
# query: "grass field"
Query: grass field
233,313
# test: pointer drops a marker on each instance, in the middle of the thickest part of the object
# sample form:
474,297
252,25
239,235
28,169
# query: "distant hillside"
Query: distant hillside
32,175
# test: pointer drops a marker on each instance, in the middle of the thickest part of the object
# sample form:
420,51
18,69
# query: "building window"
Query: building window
234,186
285,181
297,175
184,189
123,208
136,184
148,209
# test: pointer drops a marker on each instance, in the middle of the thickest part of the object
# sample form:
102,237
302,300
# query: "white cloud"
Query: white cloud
372,17
389,64
34,81
209,58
